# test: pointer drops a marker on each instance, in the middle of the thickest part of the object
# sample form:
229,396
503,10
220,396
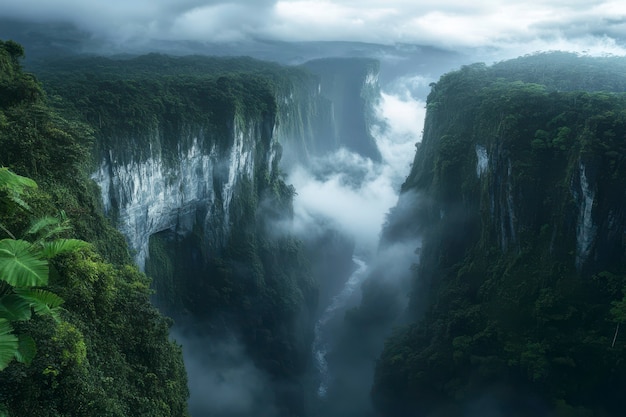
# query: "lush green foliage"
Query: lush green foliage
24,271
158,100
507,309
108,354
257,283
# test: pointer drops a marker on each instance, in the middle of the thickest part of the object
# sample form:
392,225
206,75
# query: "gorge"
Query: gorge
262,201
195,185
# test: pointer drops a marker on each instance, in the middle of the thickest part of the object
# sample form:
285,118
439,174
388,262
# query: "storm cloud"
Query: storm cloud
595,27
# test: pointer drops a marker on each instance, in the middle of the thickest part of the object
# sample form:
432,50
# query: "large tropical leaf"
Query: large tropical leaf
21,265
44,302
8,343
39,296
14,307
59,246
26,349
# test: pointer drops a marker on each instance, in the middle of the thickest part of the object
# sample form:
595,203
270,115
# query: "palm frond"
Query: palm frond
43,302
41,224
59,246
47,228
39,296
15,197
8,343
21,265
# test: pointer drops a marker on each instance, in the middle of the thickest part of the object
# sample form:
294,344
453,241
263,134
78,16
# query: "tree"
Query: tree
15,50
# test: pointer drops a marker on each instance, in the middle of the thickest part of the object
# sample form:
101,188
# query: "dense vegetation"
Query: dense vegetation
107,353
319,106
255,284
129,102
514,314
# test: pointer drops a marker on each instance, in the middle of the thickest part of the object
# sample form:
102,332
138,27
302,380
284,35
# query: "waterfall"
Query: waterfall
482,160
585,230
322,343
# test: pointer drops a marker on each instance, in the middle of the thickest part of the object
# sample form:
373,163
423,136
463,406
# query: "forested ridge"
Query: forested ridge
224,265
520,289
222,268
128,100
108,352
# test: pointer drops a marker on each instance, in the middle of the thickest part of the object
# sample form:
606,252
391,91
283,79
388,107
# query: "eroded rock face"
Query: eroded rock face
207,193
152,195
154,189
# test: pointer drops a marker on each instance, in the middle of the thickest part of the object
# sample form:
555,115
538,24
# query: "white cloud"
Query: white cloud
404,117
577,24
355,209
351,191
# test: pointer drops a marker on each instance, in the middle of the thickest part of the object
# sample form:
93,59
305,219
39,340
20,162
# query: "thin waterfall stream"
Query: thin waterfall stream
322,343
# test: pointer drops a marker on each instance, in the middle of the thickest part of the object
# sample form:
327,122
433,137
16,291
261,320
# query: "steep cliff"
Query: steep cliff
188,153
517,194
351,87
108,351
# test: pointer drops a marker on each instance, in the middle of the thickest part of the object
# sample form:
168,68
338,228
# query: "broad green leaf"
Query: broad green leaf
14,307
59,246
21,265
26,349
45,303
8,343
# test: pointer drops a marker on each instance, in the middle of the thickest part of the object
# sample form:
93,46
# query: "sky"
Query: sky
593,26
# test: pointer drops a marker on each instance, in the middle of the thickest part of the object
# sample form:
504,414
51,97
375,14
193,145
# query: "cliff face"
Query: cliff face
188,163
520,206
195,187
107,352
184,146
333,109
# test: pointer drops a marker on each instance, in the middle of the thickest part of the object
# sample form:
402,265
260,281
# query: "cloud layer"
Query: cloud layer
357,192
595,26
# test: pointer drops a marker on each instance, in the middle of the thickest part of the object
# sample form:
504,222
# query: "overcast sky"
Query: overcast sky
596,26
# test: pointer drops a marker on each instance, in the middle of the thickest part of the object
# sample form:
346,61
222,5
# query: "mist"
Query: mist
352,192
349,196
224,381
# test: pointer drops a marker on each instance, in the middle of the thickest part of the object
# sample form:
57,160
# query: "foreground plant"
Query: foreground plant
24,271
